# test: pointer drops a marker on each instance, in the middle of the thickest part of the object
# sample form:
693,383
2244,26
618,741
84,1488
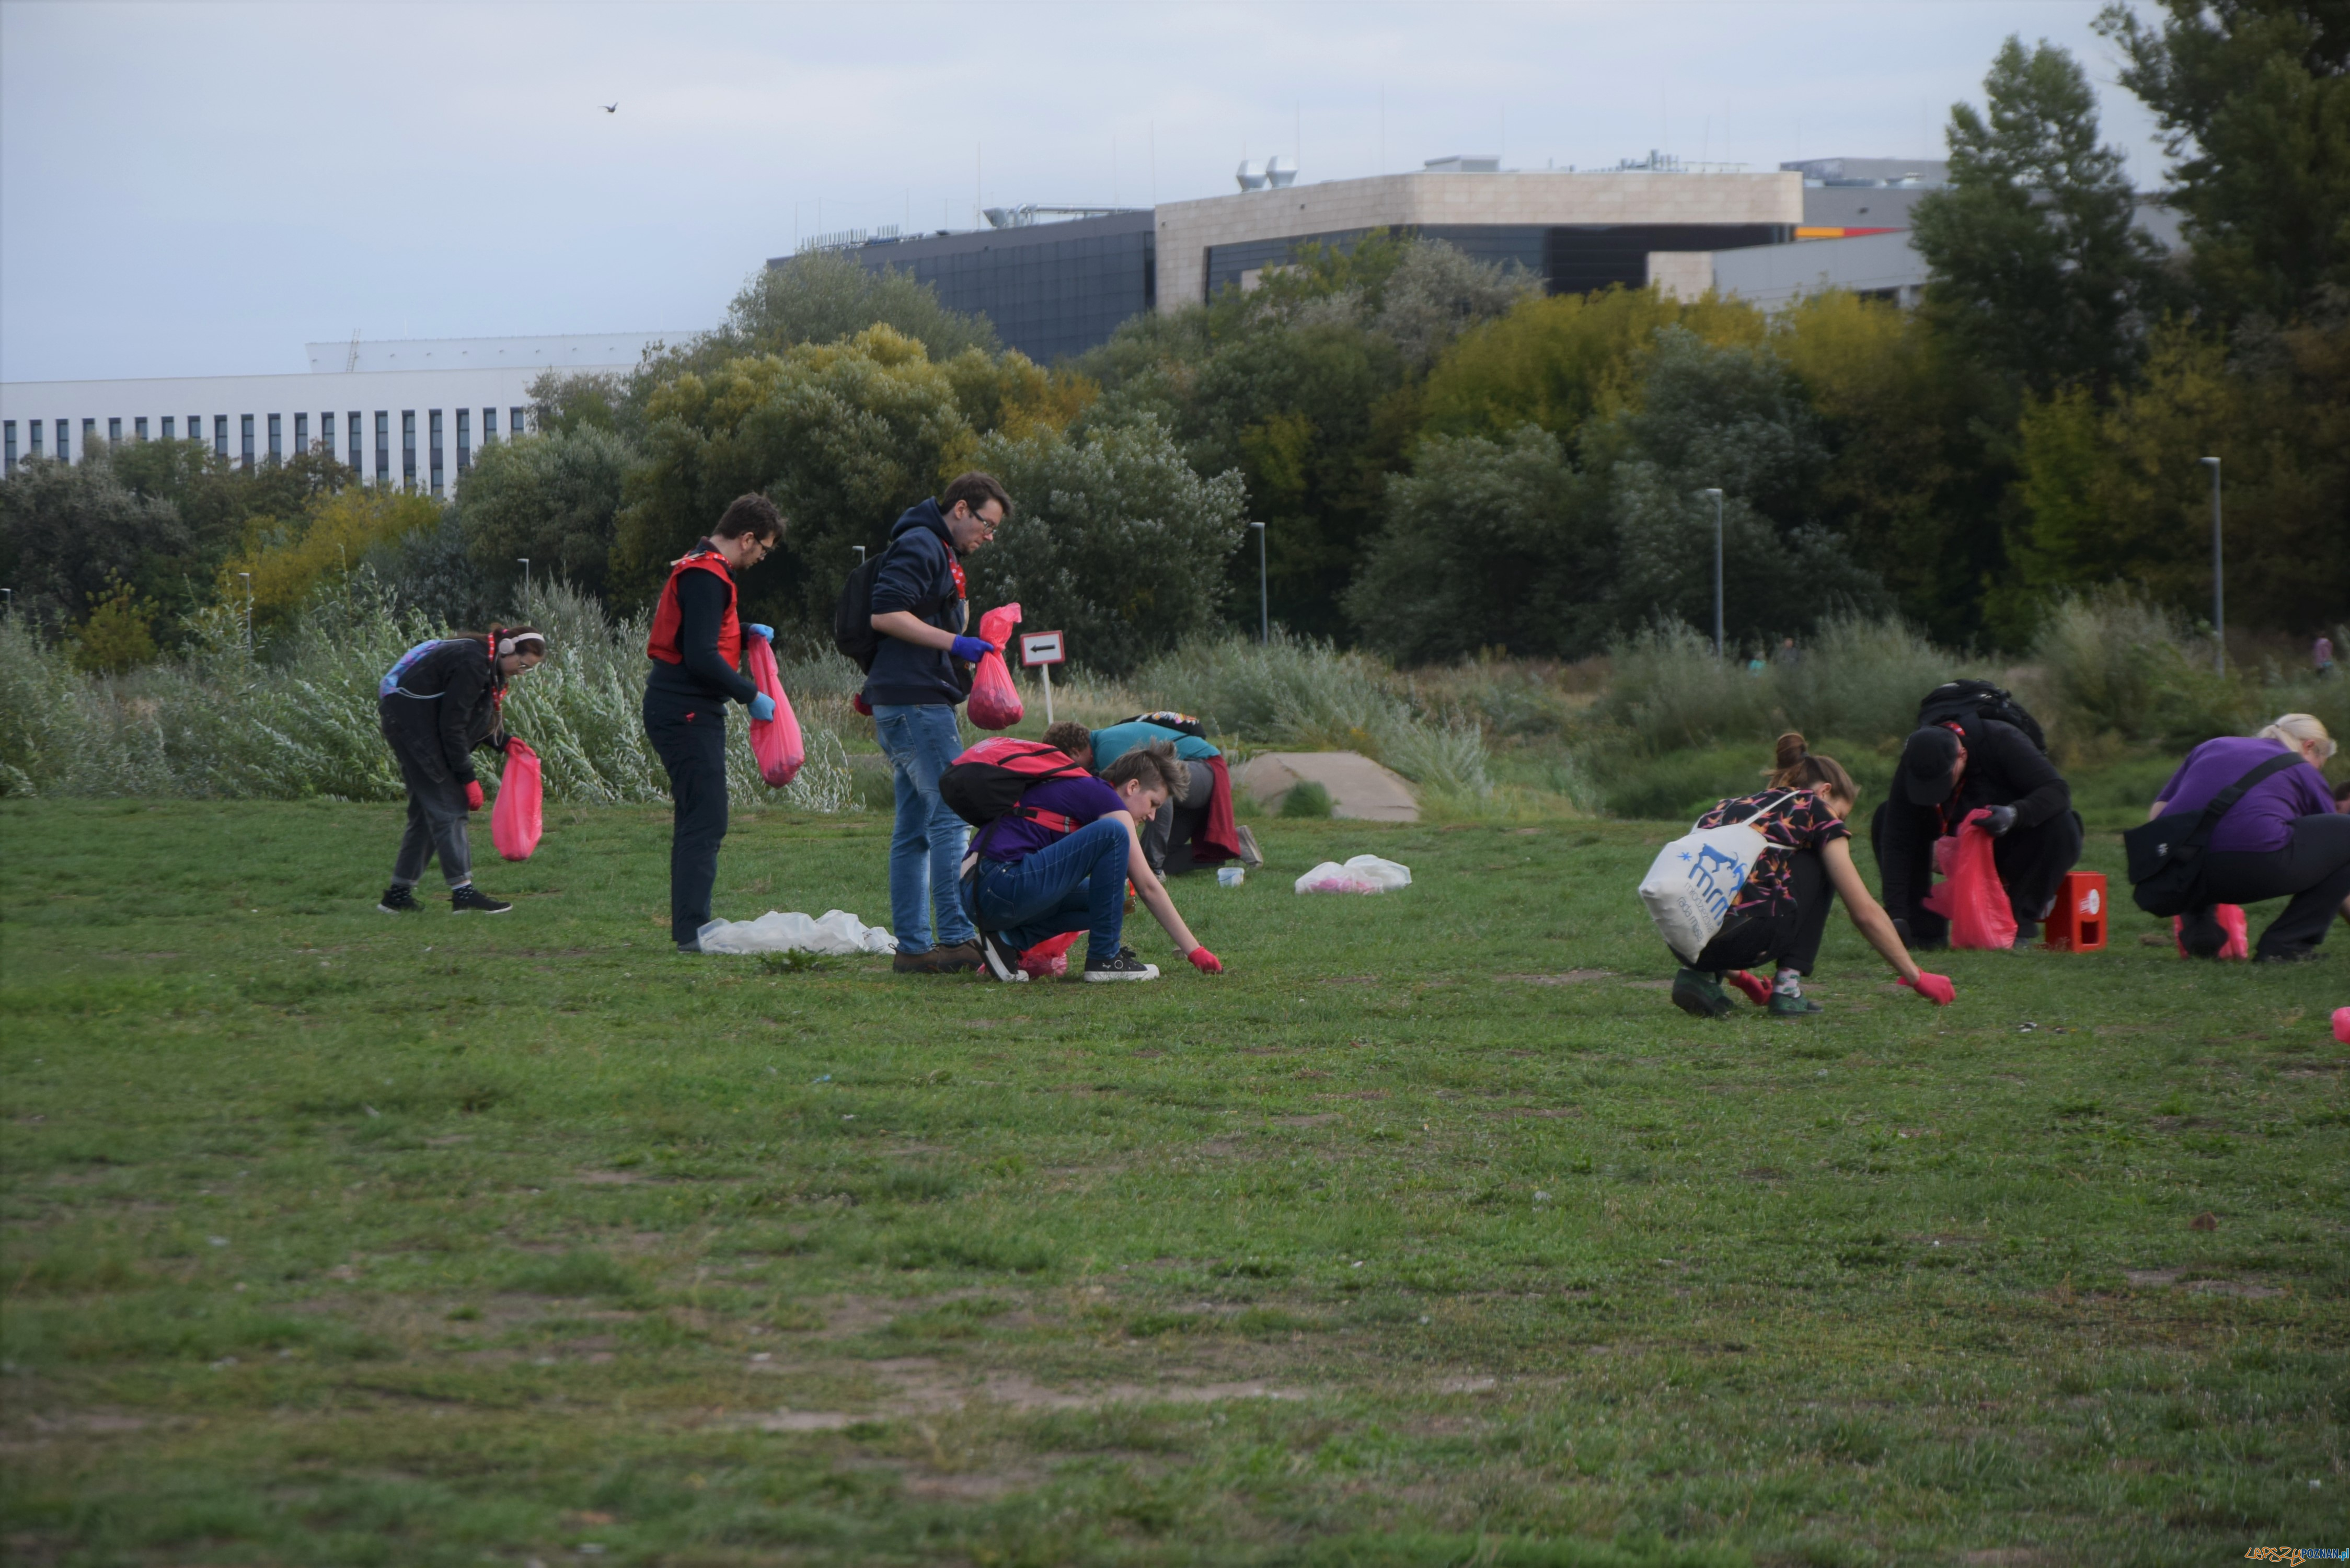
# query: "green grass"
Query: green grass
1431,1234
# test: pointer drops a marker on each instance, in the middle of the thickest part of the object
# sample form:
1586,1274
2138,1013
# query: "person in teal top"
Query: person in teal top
1194,827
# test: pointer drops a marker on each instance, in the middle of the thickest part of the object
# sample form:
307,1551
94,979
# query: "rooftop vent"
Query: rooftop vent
1279,173
1465,163
1250,175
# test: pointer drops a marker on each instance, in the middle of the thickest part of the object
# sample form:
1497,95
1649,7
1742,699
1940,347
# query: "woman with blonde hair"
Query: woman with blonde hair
2282,838
1782,911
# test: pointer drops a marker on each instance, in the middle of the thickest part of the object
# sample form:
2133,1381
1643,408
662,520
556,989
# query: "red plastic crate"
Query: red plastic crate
2077,924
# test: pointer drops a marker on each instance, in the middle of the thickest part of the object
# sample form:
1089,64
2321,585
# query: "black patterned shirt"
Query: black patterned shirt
1792,820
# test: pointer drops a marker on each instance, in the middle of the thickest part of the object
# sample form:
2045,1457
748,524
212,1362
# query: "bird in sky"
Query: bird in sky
611,108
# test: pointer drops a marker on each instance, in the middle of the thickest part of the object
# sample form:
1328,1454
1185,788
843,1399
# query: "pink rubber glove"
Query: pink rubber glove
2341,1024
472,795
1205,961
1935,988
1757,989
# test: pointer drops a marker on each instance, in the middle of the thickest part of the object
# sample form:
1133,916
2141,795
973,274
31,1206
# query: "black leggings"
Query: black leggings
1789,941
2312,869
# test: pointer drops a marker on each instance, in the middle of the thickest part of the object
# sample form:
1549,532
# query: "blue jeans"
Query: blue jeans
926,850
1075,885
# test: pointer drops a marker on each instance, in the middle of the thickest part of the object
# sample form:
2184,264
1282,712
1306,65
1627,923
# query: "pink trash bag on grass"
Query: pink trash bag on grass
1971,897
994,701
775,742
2237,946
1049,960
514,820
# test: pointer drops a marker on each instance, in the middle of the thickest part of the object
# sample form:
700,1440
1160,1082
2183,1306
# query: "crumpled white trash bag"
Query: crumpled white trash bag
1363,874
838,934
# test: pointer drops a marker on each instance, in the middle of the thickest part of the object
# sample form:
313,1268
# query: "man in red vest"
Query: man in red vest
697,653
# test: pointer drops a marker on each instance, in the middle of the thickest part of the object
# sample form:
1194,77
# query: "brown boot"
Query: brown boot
956,960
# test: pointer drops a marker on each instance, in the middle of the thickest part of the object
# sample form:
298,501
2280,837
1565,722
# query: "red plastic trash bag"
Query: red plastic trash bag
775,742
1049,960
515,820
1971,897
994,700
2237,946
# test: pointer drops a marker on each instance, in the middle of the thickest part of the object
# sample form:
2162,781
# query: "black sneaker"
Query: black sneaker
399,899
998,961
471,900
1124,966
2287,955
2201,934
1782,1005
1700,995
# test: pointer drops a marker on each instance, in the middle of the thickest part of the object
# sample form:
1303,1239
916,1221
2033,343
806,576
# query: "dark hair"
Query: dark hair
1151,766
752,514
976,489
1794,767
1069,737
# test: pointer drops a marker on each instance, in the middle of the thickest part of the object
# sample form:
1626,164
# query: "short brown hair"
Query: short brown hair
976,489
752,514
1069,737
1151,766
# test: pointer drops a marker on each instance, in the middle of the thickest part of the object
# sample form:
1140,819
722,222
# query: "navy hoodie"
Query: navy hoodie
916,575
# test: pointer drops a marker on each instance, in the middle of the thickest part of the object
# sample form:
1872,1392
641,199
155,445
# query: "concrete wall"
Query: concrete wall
1188,229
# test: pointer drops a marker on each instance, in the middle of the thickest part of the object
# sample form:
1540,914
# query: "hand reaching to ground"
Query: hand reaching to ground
1935,988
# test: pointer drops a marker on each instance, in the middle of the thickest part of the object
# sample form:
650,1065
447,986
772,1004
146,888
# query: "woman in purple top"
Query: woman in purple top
2282,839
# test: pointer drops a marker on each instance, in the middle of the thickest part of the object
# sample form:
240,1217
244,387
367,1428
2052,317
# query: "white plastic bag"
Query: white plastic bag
837,934
1689,888
1363,874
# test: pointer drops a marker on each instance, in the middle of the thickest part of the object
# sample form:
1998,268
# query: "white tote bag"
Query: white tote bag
1689,887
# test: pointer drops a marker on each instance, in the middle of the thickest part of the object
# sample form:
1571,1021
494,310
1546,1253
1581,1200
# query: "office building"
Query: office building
411,413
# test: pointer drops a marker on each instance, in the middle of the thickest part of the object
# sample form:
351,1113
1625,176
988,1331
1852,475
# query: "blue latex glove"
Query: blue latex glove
970,650
755,629
763,707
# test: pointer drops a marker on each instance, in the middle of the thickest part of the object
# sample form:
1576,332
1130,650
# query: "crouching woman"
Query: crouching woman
1060,862
438,705
1782,911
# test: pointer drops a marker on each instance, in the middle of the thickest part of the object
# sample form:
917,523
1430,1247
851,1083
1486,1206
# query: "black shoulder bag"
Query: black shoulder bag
2165,854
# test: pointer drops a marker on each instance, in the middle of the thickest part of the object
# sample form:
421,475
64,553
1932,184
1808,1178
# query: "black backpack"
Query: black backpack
1959,700
852,614
1182,723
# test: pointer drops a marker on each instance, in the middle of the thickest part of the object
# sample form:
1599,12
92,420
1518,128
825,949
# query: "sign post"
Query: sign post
1040,651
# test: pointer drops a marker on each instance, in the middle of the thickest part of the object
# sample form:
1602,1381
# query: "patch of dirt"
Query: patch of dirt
1570,977
978,1486
1524,1113
1648,985
2153,1279
799,1421
1352,980
1354,1095
608,1177
1314,1121
1764,1173
2007,1556
1467,1385
2233,1288
89,1422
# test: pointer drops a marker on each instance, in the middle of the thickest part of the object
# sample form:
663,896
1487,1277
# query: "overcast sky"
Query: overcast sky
197,189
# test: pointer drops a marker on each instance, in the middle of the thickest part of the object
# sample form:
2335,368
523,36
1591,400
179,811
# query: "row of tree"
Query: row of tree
1444,458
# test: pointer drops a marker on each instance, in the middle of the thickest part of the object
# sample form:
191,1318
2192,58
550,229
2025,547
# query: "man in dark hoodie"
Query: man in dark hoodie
696,647
921,672
1950,769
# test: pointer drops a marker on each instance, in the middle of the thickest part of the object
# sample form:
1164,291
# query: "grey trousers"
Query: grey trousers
1166,837
436,825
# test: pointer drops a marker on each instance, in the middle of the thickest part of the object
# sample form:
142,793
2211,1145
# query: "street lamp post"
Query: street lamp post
248,609
1264,590
2218,580
1715,492
523,561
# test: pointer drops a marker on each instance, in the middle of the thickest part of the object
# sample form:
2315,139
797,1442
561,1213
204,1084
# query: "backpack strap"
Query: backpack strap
2225,800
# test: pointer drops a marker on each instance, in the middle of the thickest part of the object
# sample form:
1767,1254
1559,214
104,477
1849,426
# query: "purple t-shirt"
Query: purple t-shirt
2263,820
1014,838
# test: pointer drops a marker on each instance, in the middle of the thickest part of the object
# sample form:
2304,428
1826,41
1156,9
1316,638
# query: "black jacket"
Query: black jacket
916,574
444,707
2004,768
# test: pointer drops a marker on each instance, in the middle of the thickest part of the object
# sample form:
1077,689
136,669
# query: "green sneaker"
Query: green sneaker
1700,995
1783,1006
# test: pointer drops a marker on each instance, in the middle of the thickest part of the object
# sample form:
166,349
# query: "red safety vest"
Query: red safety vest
663,644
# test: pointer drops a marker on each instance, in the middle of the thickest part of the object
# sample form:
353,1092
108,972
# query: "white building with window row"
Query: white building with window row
409,411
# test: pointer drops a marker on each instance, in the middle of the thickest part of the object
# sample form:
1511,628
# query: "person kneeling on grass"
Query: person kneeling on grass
1782,911
1060,862
437,705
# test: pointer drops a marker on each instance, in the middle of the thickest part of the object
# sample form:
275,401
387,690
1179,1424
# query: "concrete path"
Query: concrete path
1359,788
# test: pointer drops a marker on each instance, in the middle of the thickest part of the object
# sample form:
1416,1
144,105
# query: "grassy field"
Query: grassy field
1430,1234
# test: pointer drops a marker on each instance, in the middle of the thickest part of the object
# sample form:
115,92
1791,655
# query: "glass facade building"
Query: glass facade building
1570,258
1051,289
